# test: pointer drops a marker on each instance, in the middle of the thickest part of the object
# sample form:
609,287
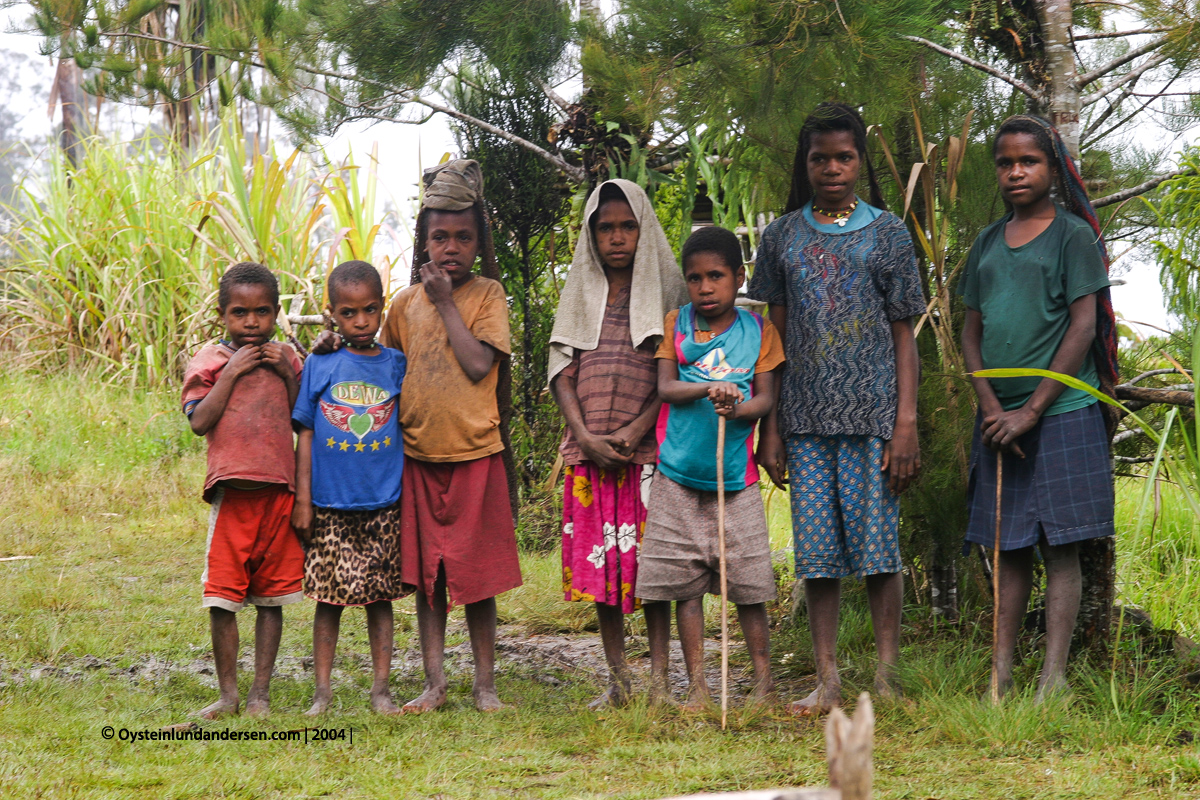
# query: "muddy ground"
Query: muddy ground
551,659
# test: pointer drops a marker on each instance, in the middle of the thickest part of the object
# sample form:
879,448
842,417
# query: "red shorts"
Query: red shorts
253,556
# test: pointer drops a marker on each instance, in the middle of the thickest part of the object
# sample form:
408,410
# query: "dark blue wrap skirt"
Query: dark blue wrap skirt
1062,489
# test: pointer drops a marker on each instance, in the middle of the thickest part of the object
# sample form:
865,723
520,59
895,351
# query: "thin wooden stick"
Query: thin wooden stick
721,553
995,690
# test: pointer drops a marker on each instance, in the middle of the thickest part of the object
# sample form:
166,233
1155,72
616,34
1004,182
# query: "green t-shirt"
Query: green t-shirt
1024,295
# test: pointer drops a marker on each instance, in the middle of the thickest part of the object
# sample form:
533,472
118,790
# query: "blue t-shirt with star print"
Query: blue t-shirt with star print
350,401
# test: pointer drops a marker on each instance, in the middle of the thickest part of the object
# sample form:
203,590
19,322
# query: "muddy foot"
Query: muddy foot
887,685
487,700
432,698
660,696
221,708
822,700
320,704
699,701
762,695
615,696
258,707
381,703
1056,690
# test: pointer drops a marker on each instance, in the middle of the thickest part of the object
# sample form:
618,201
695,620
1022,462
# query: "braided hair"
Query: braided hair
824,118
1073,195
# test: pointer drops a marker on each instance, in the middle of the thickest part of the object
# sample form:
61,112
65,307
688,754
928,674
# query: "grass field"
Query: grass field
101,627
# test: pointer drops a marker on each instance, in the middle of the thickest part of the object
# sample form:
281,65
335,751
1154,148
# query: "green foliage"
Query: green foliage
1178,246
116,262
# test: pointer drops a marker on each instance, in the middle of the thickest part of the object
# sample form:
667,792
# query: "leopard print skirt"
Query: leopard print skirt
354,557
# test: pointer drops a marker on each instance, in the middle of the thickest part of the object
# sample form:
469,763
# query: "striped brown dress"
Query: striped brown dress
603,512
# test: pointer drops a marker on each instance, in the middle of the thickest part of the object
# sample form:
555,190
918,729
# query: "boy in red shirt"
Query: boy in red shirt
239,394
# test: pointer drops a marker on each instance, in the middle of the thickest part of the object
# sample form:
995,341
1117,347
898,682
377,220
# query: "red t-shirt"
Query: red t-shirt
252,441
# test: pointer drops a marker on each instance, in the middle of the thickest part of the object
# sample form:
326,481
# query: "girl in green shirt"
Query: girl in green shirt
1036,291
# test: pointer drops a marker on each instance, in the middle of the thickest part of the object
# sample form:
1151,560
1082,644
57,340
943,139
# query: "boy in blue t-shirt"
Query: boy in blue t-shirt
349,459
716,359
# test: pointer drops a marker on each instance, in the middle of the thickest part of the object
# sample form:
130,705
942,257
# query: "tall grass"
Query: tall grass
115,261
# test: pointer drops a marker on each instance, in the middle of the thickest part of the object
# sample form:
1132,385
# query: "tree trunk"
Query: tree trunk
70,97
1061,103
1098,565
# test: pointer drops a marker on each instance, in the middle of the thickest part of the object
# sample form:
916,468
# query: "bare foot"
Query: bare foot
763,694
887,685
1053,690
487,700
258,707
432,698
381,703
823,699
615,696
698,700
320,705
660,695
221,708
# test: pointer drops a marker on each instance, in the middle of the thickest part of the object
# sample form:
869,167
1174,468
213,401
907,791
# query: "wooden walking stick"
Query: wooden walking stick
721,555
995,690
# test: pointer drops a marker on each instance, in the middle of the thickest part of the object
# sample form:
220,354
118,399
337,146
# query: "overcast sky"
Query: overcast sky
405,149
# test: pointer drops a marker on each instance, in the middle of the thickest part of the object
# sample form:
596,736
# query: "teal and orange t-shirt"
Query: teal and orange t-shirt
687,432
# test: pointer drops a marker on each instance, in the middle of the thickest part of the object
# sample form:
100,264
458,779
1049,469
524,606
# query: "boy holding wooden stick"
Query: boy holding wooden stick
715,361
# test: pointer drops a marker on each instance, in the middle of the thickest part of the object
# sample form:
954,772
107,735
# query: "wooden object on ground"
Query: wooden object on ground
995,683
849,746
721,557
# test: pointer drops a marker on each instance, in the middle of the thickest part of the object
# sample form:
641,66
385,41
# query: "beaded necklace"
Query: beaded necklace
839,216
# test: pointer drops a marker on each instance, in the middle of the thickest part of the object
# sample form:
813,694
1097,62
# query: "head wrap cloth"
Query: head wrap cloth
1074,197
453,186
657,283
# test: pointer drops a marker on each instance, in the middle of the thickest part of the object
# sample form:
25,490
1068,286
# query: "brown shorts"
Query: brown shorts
680,559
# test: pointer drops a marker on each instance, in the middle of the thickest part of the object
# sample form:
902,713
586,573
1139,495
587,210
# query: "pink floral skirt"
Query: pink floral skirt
603,517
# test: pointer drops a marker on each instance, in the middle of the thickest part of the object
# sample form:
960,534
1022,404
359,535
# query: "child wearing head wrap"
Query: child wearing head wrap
623,280
1036,291
456,519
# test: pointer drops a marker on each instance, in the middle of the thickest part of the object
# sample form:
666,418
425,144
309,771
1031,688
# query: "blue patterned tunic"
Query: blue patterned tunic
842,291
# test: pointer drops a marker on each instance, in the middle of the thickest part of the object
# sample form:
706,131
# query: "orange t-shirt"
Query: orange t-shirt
252,441
445,416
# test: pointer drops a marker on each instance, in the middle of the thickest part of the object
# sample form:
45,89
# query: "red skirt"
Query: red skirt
457,515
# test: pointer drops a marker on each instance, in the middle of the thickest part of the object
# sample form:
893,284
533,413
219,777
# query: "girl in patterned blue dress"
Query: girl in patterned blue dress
841,280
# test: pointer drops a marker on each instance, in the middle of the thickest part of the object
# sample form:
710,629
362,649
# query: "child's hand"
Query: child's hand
275,354
772,456
607,452
1000,431
302,522
438,287
725,397
902,458
326,343
246,359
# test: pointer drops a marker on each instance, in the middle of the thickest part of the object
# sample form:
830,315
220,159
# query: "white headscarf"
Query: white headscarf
657,283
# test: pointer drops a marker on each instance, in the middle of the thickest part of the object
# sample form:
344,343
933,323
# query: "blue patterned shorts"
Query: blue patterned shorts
845,518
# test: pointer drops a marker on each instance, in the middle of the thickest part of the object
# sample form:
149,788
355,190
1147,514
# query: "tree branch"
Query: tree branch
979,65
1125,94
1083,37
1088,77
1141,188
574,173
555,98
1132,75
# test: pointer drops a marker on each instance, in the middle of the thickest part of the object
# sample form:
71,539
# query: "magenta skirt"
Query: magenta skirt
603,517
